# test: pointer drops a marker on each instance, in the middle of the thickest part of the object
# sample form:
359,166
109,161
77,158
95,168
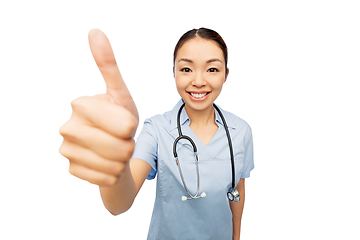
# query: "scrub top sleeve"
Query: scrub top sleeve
146,147
249,156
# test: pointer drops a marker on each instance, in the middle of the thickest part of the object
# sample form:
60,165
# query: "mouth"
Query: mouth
198,95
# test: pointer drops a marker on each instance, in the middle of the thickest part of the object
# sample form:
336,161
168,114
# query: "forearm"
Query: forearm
237,215
237,210
119,198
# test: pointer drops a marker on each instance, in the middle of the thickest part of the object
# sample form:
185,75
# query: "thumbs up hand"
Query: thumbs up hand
99,136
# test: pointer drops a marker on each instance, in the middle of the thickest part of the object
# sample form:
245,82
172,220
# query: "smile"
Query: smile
198,96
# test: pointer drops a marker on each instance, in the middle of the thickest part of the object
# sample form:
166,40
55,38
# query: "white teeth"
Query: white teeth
200,95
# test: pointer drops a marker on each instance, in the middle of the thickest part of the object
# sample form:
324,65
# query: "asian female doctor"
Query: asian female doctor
200,153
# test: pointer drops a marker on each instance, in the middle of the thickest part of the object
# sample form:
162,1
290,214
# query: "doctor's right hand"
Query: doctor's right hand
99,136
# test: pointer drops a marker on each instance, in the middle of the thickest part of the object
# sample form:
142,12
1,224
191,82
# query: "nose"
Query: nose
199,80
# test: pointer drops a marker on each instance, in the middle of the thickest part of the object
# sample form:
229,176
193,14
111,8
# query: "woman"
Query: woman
191,200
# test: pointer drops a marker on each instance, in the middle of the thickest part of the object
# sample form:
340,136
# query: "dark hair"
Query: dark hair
206,34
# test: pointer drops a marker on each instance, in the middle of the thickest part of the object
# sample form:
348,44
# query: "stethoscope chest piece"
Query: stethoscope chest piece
233,194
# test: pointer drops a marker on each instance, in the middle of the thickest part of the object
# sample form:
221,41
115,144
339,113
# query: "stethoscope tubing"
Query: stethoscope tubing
181,136
230,145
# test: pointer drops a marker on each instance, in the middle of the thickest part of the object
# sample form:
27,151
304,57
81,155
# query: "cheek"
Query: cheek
217,83
180,86
180,82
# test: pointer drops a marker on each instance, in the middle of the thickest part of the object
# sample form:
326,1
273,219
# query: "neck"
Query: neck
201,118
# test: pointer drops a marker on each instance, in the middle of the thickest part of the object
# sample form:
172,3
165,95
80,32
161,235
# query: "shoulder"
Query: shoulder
159,120
239,128
154,127
235,122
166,120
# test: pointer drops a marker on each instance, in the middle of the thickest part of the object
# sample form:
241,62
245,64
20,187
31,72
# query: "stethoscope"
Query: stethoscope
232,194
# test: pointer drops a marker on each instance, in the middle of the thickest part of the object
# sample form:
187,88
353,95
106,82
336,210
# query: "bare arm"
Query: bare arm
99,136
237,209
119,198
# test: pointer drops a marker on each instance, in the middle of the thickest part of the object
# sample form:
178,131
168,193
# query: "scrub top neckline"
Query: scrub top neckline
198,140
185,127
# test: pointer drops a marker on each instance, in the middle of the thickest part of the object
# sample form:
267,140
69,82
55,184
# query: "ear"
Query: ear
226,75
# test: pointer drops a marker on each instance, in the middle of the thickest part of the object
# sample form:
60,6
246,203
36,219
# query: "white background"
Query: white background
294,77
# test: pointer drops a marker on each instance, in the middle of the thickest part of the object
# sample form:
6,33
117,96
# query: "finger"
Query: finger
104,57
105,60
114,119
92,176
89,159
103,144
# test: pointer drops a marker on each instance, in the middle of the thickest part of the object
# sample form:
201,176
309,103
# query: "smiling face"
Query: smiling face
199,72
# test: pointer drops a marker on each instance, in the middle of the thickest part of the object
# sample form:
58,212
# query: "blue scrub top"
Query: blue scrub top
204,218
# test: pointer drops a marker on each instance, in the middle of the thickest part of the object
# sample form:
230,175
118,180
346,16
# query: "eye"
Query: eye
213,70
185,69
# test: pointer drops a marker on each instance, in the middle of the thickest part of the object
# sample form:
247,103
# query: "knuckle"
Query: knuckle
64,150
131,148
122,150
109,180
128,149
118,168
68,131
130,126
78,103
68,151
72,169
63,130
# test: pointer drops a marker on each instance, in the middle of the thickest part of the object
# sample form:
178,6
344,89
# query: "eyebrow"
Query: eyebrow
185,60
213,60
208,61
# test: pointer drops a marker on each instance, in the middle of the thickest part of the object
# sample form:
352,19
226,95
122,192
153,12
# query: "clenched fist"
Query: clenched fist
99,136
